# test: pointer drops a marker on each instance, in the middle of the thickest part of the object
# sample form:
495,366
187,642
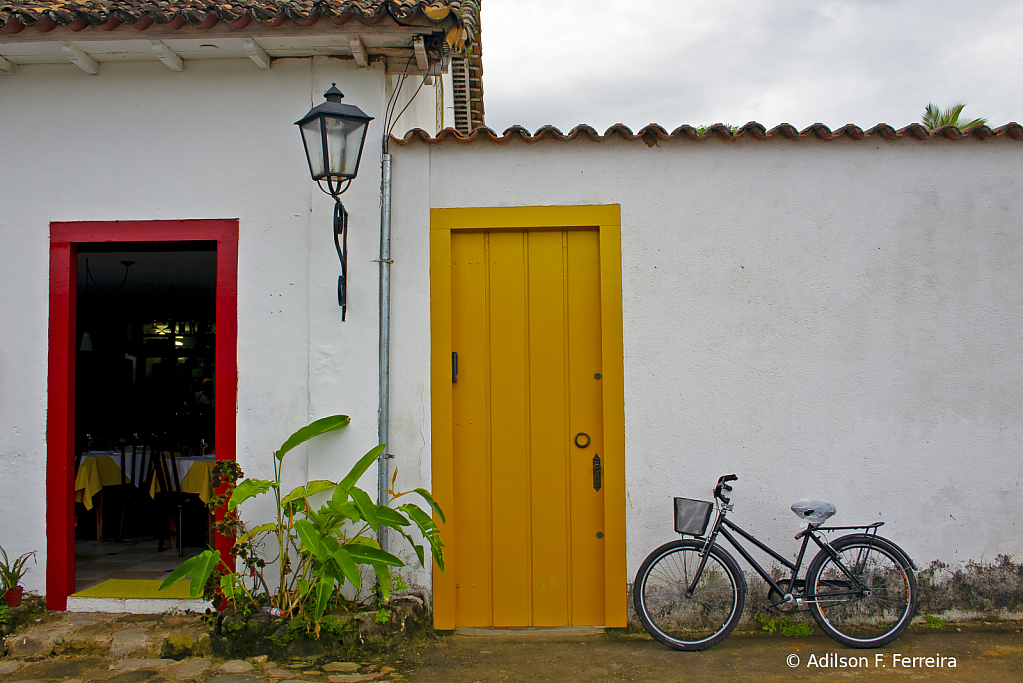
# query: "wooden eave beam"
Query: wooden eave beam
256,53
422,59
168,56
359,50
80,59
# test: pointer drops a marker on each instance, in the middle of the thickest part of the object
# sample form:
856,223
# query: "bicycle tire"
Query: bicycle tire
695,622
868,620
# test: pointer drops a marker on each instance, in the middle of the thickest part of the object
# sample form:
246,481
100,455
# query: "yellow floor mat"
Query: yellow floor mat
133,588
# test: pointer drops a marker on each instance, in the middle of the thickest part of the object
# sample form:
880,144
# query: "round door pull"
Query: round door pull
600,534
582,435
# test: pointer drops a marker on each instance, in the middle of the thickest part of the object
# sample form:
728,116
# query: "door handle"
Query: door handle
454,366
596,472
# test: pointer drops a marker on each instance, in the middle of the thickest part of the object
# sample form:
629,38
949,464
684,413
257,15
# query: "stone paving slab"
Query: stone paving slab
235,666
133,664
238,678
344,667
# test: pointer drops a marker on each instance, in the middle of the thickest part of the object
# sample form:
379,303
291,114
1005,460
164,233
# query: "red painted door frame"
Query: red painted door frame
60,419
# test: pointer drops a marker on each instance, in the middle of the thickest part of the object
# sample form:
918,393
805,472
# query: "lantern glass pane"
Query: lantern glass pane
313,146
344,141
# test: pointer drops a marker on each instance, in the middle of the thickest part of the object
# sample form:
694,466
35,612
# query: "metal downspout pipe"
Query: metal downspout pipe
383,462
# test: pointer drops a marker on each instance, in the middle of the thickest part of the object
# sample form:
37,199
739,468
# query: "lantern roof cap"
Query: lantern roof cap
333,107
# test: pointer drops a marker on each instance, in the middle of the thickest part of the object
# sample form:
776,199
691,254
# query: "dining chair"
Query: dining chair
171,500
136,475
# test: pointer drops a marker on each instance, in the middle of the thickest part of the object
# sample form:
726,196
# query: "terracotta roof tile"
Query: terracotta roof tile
45,15
106,15
654,134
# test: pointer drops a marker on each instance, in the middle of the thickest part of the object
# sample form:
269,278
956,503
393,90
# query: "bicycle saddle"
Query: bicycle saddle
816,512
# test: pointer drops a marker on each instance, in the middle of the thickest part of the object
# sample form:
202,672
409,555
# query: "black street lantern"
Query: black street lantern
334,135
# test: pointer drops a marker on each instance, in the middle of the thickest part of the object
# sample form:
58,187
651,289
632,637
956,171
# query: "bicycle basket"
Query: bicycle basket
691,516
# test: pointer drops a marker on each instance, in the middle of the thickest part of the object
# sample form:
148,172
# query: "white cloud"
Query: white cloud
565,62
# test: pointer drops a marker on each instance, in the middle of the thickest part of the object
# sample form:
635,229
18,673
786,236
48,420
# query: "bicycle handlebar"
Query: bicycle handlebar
723,485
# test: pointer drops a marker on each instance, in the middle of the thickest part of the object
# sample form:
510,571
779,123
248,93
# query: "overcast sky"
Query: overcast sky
600,62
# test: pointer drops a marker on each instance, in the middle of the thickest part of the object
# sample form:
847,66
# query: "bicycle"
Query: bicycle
690,593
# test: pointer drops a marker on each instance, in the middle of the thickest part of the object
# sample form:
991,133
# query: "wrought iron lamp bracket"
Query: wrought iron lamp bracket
335,188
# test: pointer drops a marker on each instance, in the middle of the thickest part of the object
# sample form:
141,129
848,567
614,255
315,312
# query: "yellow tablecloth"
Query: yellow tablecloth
198,480
94,473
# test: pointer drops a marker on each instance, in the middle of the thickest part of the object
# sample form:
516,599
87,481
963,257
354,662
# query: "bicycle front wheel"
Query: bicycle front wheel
875,608
685,621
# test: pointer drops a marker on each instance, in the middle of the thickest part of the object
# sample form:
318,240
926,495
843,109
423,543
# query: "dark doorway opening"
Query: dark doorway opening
145,386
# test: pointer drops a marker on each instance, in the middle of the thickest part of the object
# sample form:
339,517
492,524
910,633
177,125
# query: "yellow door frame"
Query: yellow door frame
607,220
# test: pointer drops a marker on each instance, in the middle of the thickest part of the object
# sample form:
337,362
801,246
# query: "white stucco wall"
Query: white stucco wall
140,142
838,320
826,319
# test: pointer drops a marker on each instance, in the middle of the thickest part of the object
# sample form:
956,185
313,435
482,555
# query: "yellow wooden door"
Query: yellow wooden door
527,427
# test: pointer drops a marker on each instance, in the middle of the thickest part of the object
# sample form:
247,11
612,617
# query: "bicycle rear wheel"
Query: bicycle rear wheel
871,614
689,622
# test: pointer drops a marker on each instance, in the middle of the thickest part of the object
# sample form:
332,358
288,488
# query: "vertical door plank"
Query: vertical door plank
509,424
548,427
471,474
586,408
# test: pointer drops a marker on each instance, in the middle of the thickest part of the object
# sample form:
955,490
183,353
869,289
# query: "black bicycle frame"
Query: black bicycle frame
722,526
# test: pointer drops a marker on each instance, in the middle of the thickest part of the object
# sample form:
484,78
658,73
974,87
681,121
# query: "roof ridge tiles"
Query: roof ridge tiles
45,15
652,134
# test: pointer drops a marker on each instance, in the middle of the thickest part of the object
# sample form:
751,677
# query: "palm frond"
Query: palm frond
936,117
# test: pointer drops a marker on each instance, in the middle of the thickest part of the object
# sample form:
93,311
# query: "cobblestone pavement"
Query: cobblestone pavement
95,648
985,653
140,648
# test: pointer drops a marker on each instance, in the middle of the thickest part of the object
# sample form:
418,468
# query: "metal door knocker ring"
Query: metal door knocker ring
582,445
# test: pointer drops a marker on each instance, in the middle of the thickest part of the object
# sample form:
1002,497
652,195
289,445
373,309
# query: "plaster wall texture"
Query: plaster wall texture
139,142
832,320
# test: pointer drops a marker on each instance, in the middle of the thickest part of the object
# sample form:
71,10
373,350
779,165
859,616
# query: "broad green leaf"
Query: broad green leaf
344,510
343,557
340,495
313,517
324,589
383,580
362,540
391,517
228,588
429,529
366,554
366,506
309,489
321,426
186,568
360,468
251,533
246,489
203,570
303,587
310,540
416,547
433,504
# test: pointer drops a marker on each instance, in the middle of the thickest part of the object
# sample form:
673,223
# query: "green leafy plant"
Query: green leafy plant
703,128
936,117
318,551
800,629
12,572
786,625
934,622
